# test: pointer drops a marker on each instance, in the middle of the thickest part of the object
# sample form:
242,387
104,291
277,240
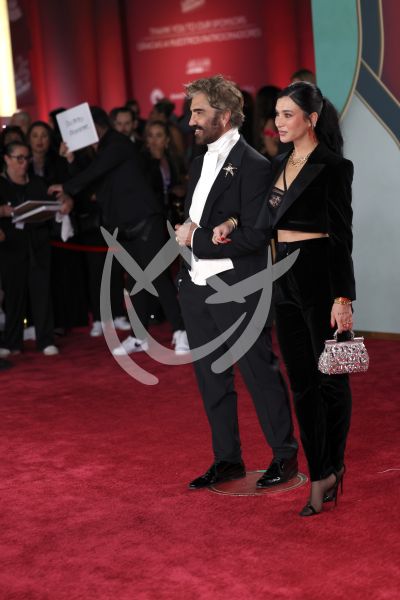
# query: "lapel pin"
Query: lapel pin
229,169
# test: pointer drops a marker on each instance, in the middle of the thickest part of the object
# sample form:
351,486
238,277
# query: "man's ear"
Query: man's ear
226,117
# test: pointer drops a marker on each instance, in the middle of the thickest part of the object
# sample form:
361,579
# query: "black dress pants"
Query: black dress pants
259,368
303,302
143,249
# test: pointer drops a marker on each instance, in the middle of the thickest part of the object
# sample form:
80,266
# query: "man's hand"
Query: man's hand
184,233
57,189
67,204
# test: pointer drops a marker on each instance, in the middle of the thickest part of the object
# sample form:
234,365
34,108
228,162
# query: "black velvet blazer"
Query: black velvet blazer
319,200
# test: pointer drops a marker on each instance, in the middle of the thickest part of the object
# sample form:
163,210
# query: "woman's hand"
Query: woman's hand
221,233
342,317
6,210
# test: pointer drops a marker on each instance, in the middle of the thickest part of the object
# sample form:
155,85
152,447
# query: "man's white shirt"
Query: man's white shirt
213,161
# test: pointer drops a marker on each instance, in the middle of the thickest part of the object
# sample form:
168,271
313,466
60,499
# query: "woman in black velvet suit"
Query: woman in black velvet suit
309,208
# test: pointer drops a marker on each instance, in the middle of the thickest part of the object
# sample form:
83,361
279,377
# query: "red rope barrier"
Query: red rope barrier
81,247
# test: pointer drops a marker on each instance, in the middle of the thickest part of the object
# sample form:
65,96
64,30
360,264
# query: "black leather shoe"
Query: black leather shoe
279,471
218,472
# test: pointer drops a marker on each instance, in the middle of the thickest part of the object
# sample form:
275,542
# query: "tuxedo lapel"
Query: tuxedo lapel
193,179
308,173
224,179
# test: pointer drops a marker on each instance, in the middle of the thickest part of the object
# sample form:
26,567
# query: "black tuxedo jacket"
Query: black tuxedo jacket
239,192
319,200
121,189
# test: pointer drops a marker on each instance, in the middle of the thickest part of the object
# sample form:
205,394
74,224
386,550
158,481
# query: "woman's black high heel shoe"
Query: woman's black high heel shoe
309,511
332,494
318,494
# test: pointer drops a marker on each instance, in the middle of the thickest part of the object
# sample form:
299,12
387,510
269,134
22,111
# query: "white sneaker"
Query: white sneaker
50,350
97,329
130,345
4,352
122,324
180,341
29,333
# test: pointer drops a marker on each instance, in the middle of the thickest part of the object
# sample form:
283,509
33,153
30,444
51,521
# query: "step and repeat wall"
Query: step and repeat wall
104,51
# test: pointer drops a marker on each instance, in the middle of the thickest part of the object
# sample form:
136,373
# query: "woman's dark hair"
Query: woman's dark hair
165,107
43,124
9,148
159,123
56,128
171,151
310,99
49,130
100,117
11,130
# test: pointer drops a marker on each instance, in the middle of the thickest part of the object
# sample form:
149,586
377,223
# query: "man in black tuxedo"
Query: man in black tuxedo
230,181
127,202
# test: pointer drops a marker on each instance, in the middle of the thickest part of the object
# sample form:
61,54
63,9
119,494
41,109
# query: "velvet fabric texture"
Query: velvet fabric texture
302,310
319,200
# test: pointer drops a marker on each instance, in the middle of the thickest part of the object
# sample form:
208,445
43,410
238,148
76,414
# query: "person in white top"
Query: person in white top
230,181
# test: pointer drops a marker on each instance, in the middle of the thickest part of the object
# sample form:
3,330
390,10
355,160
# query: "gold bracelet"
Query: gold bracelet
234,222
342,300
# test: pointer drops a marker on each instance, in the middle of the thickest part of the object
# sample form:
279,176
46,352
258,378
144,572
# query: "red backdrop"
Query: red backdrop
104,51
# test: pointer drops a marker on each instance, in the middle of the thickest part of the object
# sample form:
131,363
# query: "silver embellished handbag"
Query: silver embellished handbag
344,357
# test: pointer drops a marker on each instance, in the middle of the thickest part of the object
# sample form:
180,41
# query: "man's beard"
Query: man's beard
214,131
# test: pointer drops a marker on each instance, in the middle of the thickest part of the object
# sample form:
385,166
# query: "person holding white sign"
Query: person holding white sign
128,202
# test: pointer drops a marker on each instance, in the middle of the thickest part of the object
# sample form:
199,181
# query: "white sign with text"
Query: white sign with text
77,127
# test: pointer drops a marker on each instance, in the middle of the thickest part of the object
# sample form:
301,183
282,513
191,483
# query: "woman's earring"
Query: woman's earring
311,132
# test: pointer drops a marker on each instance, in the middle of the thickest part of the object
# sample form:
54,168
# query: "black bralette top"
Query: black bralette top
276,197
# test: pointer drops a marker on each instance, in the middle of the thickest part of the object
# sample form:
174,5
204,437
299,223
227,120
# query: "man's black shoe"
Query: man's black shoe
279,471
217,473
4,364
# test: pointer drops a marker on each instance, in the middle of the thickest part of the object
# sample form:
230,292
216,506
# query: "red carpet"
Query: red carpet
94,502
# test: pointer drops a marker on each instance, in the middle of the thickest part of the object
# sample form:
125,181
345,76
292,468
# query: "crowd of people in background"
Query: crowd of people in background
68,275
